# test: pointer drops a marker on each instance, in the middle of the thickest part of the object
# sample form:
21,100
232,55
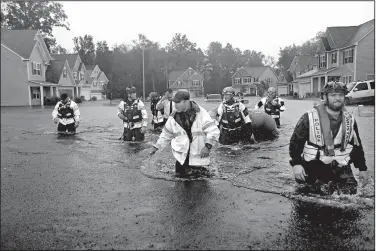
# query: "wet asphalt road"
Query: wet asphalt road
87,192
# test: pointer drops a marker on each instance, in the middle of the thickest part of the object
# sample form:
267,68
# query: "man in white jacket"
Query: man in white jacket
66,112
166,106
192,133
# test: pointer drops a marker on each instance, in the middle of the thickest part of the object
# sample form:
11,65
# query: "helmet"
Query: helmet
132,90
337,87
271,89
228,90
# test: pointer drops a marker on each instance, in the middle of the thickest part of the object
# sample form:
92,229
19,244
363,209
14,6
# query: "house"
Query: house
25,64
301,64
95,80
283,88
77,68
188,80
344,54
246,79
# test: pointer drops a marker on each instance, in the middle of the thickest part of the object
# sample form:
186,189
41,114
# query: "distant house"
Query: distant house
28,72
283,88
344,54
95,80
188,80
246,79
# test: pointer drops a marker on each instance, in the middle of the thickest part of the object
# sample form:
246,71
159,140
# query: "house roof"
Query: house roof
255,71
174,75
326,44
20,41
90,67
54,71
244,72
70,57
363,29
307,74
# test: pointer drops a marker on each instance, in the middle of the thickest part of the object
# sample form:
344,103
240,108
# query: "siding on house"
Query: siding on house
268,73
68,80
365,60
14,85
36,56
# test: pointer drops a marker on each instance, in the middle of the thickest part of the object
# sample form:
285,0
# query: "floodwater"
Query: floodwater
29,140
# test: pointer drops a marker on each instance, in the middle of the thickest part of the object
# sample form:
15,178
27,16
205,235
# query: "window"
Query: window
344,80
35,93
334,58
246,80
179,83
237,80
256,80
75,75
372,84
322,61
349,79
36,68
196,82
348,56
95,83
65,72
282,78
81,76
362,86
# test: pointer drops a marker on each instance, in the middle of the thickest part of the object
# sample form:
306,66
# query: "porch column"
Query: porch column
51,91
29,89
319,83
77,92
57,92
41,96
326,79
73,92
311,85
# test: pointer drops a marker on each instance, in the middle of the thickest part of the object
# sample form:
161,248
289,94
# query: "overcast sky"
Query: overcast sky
260,26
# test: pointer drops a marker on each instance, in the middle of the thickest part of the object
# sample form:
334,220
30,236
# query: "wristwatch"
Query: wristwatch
208,146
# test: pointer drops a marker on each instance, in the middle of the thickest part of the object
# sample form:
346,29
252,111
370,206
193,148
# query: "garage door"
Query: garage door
85,93
304,88
282,90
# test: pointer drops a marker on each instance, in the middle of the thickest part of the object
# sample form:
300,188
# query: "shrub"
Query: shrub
52,101
83,98
93,98
295,95
77,100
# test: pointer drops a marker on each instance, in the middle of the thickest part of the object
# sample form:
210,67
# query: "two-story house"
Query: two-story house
26,67
246,79
282,86
344,54
95,81
188,80
77,67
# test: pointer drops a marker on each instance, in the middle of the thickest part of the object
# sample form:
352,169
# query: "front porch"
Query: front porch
39,92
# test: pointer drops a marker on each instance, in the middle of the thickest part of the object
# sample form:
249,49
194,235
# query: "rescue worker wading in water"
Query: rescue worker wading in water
324,144
192,133
157,121
132,112
233,119
273,105
66,112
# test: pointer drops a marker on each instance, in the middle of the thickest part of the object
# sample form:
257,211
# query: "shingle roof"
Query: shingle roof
326,44
20,41
174,75
90,67
255,71
70,57
54,71
340,35
363,29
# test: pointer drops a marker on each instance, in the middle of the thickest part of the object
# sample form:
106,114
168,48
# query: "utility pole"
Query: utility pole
143,72
167,77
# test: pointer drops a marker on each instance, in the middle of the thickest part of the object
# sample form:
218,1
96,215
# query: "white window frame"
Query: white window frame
349,78
75,75
322,61
64,72
348,56
196,82
237,81
344,79
334,54
95,83
178,83
39,69
247,80
35,94
256,79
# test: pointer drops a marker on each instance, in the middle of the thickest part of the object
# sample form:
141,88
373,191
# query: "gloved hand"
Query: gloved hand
299,173
143,129
76,124
154,150
56,120
205,152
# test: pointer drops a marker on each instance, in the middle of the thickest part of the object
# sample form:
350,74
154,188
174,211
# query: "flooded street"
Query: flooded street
94,191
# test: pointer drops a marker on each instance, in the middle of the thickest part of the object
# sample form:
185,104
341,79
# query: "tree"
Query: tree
181,43
84,46
104,57
58,49
41,15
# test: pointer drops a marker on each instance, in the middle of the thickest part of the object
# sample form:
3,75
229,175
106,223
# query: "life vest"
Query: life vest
273,110
131,112
231,118
64,111
321,147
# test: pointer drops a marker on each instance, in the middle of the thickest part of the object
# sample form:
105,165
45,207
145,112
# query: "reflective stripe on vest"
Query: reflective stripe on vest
314,149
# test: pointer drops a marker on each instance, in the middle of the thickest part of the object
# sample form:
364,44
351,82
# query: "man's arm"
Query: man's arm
357,153
76,112
298,140
55,111
120,110
166,136
160,104
210,128
245,113
282,108
260,103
